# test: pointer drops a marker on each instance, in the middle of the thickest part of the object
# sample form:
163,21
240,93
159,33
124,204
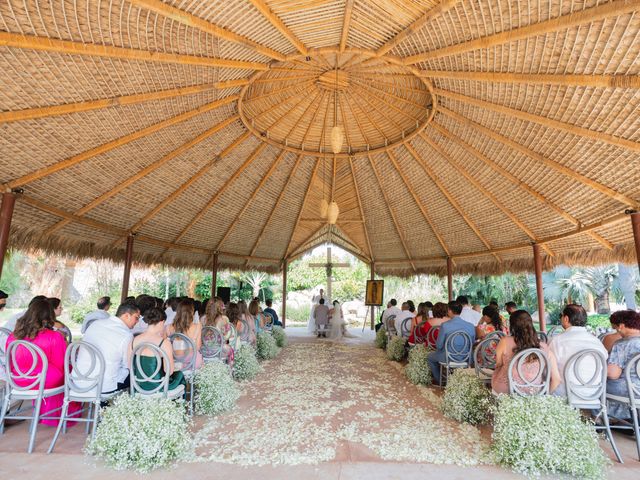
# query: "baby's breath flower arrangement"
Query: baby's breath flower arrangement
141,434
543,435
381,338
266,347
417,370
396,349
280,337
216,392
466,398
245,364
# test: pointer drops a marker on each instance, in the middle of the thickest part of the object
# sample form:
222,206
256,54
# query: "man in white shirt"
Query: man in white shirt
408,311
574,339
113,338
392,309
102,313
468,314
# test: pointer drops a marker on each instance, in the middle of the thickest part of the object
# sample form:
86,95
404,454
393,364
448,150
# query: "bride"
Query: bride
338,324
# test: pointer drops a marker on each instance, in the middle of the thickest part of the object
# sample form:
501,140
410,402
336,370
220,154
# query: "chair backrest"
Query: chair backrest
417,332
529,373
268,324
184,352
83,379
585,379
484,355
555,330
458,348
391,324
432,336
496,333
25,379
4,335
64,330
633,369
212,342
245,334
543,337
405,327
234,339
158,383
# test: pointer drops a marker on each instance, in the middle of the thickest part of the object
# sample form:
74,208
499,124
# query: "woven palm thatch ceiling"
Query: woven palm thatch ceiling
472,129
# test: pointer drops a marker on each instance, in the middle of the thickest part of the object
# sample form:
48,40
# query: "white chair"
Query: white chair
245,333
212,343
405,327
234,339
268,324
458,349
585,381
633,400
523,383
82,386
484,357
159,383
543,337
432,337
555,330
417,333
390,327
24,385
185,361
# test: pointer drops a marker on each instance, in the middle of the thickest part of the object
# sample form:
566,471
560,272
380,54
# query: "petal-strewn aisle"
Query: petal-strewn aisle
320,401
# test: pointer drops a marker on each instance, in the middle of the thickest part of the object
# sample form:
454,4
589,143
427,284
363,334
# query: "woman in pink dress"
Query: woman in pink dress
36,326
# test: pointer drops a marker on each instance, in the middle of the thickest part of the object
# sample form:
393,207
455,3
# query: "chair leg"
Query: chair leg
6,401
89,414
63,415
605,419
636,428
96,416
34,425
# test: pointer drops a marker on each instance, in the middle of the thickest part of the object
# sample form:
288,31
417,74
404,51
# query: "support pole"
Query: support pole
537,263
6,214
214,275
635,225
450,278
285,266
127,268
373,277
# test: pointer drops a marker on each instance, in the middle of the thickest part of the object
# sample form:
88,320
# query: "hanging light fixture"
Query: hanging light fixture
337,134
332,213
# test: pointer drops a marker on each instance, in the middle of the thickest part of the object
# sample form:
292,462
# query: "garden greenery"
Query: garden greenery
279,335
417,370
216,392
381,338
245,364
396,349
543,435
141,434
466,398
266,346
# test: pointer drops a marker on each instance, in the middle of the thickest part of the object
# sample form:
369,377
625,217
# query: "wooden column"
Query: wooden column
6,214
285,266
537,263
635,225
127,268
373,277
450,278
214,275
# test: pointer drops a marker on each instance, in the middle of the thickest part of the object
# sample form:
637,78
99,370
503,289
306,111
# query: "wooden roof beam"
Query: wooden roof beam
107,147
279,25
344,36
588,15
364,223
31,42
315,235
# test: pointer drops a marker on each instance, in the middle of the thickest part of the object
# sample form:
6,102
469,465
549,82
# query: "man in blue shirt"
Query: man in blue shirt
455,324
272,312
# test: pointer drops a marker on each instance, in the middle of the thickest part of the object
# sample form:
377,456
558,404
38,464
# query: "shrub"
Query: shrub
266,346
396,349
466,398
417,370
280,336
381,338
216,392
142,434
543,435
245,364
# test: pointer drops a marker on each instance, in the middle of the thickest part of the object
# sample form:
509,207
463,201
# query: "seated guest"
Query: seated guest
170,310
215,317
270,311
246,316
523,336
627,323
58,326
321,317
154,334
11,323
468,313
510,307
448,328
113,338
259,318
183,323
36,327
102,313
233,315
391,310
408,311
201,309
489,322
420,322
144,303
610,339
3,300
574,339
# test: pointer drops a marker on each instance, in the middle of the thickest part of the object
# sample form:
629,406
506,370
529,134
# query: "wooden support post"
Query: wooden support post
6,214
127,268
214,275
450,278
537,263
285,266
635,225
373,277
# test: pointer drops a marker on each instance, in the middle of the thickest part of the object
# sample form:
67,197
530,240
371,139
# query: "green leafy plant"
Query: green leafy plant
279,336
216,392
266,346
396,349
245,363
466,398
543,435
417,370
142,434
381,338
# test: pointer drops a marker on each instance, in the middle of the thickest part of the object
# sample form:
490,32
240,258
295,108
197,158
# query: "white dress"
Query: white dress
338,325
311,325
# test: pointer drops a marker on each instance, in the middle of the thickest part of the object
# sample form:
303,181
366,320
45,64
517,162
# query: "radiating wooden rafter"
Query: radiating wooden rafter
279,25
344,36
364,222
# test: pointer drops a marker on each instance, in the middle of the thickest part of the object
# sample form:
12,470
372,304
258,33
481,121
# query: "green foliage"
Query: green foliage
266,347
598,320
279,336
396,349
245,363
349,283
299,314
466,398
543,435
12,280
381,338
417,370
216,392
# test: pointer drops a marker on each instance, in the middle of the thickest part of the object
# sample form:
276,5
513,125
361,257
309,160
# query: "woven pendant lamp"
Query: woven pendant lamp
332,213
337,138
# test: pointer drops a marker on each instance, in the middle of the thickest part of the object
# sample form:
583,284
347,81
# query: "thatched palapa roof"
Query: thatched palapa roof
472,129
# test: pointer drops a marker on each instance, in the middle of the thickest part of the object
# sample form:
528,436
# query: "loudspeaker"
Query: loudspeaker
224,293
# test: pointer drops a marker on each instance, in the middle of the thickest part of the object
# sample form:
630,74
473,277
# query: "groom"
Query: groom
321,317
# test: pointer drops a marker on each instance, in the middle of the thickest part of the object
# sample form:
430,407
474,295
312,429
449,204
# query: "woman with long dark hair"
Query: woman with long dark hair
491,321
523,336
183,323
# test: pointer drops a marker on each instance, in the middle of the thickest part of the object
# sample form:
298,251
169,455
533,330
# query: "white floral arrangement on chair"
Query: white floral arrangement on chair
467,399
381,338
417,370
245,363
543,435
266,346
396,349
216,391
277,332
142,434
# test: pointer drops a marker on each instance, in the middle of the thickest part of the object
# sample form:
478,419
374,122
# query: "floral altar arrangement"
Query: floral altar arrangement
279,335
216,391
544,435
396,349
266,346
417,370
467,399
142,434
381,338
245,364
